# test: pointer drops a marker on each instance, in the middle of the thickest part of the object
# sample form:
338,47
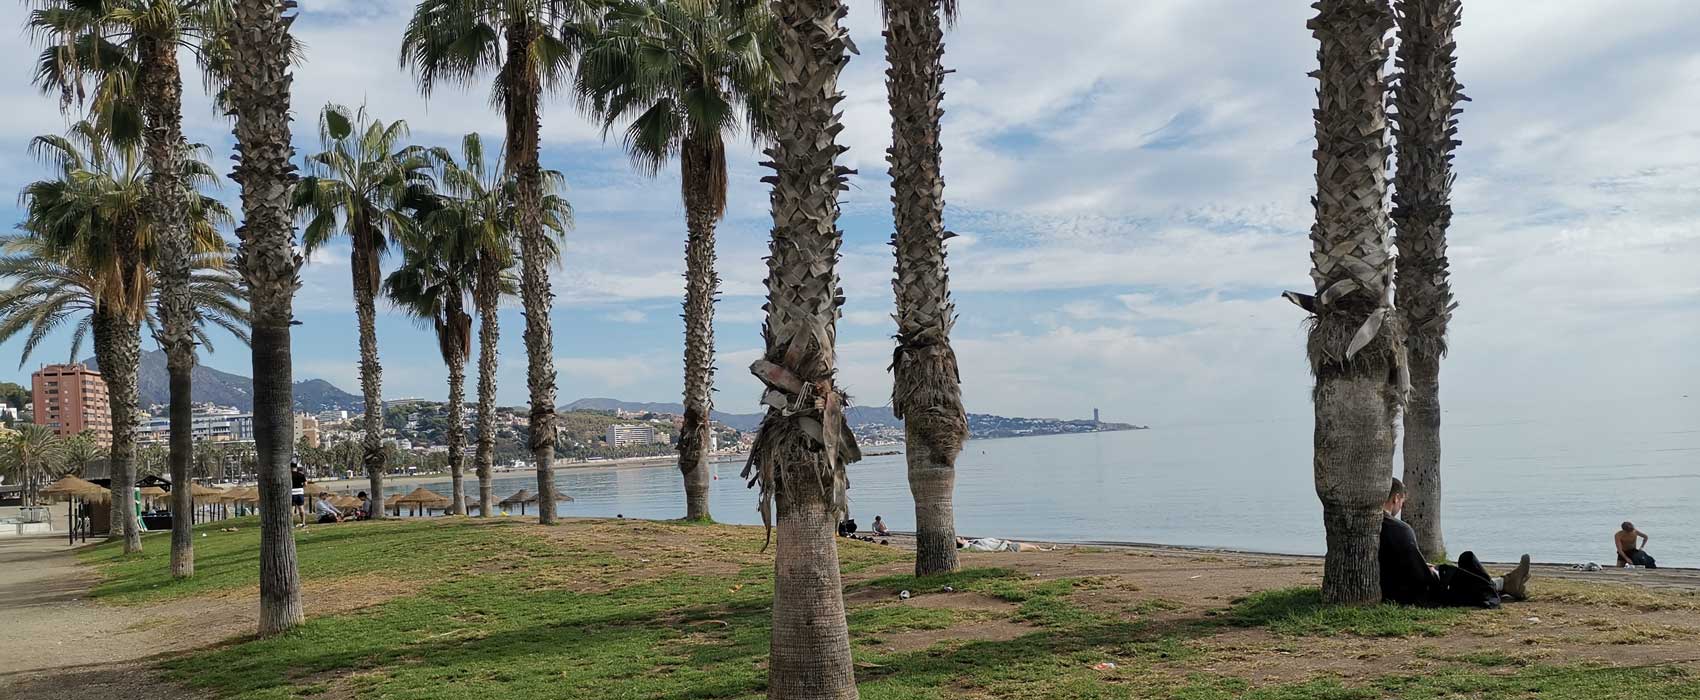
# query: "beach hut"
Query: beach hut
76,492
518,499
421,499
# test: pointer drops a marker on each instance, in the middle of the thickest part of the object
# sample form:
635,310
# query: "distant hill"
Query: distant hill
225,389
979,424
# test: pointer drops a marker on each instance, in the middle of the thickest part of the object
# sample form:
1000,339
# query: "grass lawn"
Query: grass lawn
631,609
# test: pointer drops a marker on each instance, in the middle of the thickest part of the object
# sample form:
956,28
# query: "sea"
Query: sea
1555,487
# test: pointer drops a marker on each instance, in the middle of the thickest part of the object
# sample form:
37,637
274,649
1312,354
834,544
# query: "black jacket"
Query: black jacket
1405,576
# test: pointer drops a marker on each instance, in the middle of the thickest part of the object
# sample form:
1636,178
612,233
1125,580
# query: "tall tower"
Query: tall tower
1095,416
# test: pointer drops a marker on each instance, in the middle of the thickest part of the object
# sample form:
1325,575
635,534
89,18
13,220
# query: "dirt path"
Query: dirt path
57,644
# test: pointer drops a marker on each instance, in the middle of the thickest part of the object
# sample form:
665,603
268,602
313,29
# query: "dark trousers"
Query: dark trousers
327,519
1466,585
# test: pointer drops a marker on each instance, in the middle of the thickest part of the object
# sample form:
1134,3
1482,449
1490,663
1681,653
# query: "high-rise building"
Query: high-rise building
70,399
205,425
626,435
307,429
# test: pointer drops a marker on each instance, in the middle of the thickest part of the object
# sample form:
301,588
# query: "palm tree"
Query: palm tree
92,212
139,41
1356,343
80,451
432,286
682,75
926,387
530,45
804,443
260,47
364,184
1426,124
31,455
477,218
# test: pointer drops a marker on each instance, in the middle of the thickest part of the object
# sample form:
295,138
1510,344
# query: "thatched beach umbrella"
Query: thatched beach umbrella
420,498
519,499
150,493
73,489
314,489
206,496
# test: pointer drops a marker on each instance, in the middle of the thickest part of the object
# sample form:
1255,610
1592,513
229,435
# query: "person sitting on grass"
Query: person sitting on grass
880,528
1408,579
1628,553
327,512
364,510
993,544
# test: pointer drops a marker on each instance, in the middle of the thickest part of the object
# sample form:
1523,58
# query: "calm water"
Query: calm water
1556,488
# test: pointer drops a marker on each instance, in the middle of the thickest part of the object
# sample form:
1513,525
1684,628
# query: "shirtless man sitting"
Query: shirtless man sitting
1629,551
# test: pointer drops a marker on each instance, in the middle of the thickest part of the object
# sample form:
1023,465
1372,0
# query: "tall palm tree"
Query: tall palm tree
31,455
365,183
926,386
1426,124
93,212
432,286
478,217
1356,343
804,442
530,44
139,42
682,75
259,84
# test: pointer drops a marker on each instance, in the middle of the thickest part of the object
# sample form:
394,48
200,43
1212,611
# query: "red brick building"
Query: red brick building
70,399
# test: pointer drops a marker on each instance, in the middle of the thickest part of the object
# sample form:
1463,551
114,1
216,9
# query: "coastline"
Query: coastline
443,477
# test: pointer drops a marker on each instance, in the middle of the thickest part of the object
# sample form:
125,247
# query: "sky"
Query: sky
1130,184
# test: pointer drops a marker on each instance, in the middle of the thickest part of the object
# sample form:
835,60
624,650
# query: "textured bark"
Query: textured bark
523,90
1422,455
371,372
1426,125
117,346
486,295
1356,345
802,449
702,159
259,92
162,107
455,354
811,637
926,388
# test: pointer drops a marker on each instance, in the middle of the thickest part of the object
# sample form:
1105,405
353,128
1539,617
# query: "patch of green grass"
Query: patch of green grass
524,623
1301,612
229,560
1153,605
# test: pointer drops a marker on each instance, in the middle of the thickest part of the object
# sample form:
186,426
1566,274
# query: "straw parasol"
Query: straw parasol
314,489
205,493
73,488
519,499
69,487
422,498
150,492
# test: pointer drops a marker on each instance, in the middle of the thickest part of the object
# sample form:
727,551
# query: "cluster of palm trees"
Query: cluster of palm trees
33,455
124,235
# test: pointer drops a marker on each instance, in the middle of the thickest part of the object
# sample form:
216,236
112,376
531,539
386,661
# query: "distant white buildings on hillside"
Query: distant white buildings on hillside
630,434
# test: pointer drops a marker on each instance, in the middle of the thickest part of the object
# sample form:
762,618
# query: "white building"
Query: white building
210,425
332,416
628,434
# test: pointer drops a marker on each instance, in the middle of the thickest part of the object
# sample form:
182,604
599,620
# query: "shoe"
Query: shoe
1517,582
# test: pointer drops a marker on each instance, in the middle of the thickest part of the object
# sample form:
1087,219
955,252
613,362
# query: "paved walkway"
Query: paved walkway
54,643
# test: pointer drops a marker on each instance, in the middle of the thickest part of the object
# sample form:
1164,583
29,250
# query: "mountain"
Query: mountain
225,389
980,425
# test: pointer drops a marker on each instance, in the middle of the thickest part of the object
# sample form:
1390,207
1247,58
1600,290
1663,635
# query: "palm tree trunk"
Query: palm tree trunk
456,437
371,372
259,91
1356,345
162,104
486,296
926,388
523,90
700,163
801,454
1427,98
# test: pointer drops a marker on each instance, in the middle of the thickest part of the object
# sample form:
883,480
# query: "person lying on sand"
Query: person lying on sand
1408,579
1629,551
993,544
